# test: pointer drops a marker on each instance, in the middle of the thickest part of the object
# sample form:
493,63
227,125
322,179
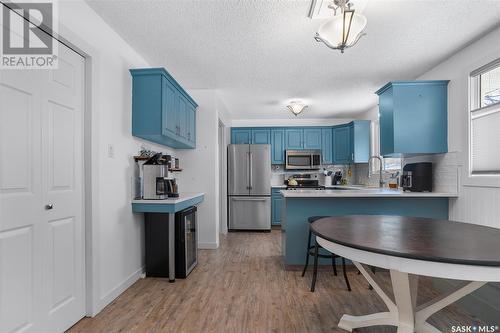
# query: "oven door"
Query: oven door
298,161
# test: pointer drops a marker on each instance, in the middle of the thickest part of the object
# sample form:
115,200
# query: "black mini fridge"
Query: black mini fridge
186,242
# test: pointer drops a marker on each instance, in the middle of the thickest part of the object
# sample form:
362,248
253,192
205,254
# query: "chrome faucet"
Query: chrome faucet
381,180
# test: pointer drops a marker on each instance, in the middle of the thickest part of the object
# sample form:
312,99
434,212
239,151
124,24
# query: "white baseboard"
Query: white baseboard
118,290
208,245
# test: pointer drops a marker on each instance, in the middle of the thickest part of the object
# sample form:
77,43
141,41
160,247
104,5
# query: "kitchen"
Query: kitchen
173,86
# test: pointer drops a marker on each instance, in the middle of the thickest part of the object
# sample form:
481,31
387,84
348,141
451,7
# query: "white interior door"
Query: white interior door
41,166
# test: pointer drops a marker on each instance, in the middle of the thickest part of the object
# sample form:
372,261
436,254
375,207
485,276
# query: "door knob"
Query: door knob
49,206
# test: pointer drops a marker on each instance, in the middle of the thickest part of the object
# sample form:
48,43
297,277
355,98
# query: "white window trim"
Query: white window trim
470,179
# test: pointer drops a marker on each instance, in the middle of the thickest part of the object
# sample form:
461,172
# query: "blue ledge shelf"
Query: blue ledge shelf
173,205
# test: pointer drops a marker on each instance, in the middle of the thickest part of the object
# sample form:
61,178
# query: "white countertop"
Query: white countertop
183,196
356,192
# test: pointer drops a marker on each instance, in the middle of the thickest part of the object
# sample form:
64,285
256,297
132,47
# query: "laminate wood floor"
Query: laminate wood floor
242,287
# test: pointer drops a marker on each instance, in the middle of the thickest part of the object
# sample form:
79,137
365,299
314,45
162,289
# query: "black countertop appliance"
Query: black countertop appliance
417,177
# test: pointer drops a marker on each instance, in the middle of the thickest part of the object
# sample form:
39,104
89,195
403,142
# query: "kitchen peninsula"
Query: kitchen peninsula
298,205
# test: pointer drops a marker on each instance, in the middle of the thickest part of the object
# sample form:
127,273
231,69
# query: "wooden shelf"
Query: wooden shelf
145,158
141,158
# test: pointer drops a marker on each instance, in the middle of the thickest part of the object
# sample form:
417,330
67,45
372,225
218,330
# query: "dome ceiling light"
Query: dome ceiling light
296,107
343,30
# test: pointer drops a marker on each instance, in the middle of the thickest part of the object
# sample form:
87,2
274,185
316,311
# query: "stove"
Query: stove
304,181
306,187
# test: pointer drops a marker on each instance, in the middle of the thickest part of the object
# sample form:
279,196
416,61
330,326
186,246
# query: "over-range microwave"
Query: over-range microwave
302,159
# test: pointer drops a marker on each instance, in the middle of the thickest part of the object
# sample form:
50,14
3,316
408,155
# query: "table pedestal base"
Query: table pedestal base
403,310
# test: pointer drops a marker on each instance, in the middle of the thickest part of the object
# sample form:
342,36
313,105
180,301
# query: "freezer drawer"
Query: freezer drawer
250,213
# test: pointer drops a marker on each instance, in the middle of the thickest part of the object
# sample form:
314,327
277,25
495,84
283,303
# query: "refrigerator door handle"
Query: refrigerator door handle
248,174
251,170
248,199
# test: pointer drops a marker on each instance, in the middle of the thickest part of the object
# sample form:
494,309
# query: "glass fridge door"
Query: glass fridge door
190,240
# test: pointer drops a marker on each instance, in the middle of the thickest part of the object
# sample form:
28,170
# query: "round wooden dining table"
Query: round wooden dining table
410,247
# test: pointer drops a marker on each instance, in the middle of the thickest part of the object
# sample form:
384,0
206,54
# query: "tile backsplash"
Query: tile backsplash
445,168
279,174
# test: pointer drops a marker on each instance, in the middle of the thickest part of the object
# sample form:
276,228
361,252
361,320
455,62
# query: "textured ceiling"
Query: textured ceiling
261,54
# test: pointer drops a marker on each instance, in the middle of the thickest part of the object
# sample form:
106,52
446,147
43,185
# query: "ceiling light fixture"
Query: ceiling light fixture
296,107
343,30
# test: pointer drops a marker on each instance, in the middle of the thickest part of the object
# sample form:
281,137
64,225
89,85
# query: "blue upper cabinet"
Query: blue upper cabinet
191,135
171,100
247,135
342,149
294,138
162,112
261,136
312,138
343,144
327,145
241,136
277,146
360,141
413,117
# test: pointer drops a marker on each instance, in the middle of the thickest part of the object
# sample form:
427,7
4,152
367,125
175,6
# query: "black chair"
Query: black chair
313,250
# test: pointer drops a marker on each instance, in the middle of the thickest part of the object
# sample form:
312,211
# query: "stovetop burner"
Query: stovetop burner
305,187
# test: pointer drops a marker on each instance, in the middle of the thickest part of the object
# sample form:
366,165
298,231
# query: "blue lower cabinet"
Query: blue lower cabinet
261,136
241,136
342,149
312,138
326,145
294,138
277,146
276,206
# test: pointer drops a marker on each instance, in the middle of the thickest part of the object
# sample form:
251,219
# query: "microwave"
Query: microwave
302,159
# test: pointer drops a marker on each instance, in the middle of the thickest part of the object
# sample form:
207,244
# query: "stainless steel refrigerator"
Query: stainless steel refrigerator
249,187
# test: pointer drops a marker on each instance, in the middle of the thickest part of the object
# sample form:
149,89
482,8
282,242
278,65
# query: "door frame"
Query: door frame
93,303
223,200
91,57
91,140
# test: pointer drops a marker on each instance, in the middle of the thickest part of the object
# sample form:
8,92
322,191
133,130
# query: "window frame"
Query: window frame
474,111
395,158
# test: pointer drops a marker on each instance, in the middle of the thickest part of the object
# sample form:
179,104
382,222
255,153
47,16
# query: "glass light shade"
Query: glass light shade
296,107
342,30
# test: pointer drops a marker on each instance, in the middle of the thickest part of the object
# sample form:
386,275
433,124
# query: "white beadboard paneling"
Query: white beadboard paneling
478,205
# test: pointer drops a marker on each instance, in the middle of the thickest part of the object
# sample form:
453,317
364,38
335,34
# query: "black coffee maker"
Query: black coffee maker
417,177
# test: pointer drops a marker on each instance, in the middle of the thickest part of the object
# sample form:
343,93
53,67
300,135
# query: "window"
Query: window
392,164
484,134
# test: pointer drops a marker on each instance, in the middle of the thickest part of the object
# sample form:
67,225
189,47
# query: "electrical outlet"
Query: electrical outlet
111,151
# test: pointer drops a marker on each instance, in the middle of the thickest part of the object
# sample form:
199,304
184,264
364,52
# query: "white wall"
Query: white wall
118,244
472,205
201,167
